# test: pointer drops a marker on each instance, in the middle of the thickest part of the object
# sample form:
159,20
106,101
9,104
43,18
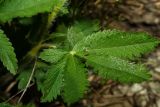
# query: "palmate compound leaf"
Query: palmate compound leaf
80,30
106,52
117,69
54,82
126,45
7,55
75,80
52,55
111,49
25,8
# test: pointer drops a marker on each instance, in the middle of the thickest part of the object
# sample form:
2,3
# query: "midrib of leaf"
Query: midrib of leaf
52,87
74,65
75,68
74,80
114,68
118,47
54,82
9,61
7,55
121,46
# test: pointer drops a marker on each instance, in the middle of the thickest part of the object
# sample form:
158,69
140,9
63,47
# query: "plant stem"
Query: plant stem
18,93
29,81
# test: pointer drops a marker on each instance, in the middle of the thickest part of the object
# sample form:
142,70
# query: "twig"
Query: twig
10,86
18,93
29,81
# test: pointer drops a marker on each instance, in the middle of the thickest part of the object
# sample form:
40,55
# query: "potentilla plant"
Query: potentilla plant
62,58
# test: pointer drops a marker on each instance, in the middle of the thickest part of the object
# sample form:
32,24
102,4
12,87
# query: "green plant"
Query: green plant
61,68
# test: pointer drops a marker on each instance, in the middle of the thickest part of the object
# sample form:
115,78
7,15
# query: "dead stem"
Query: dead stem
29,81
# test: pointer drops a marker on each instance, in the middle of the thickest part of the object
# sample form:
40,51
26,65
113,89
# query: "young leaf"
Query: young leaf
40,78
7,55
80,30
23,78
25,8
116,43
75,80
52,55
118,69
54,82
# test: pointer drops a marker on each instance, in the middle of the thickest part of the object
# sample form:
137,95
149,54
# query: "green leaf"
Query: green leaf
1,1
23,78
54,82
40,78
80,30
7,55
118,69
75,80
25,8
52,55
61,29
40,73
116,43
5,105
26,21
